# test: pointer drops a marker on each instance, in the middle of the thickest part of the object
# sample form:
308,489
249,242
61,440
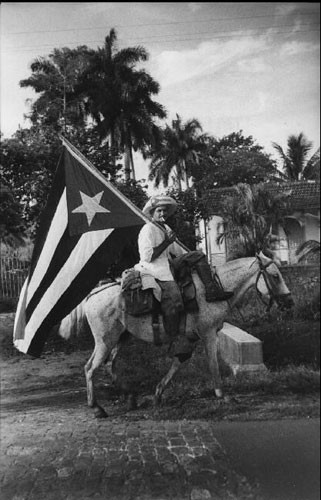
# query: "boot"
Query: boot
213,289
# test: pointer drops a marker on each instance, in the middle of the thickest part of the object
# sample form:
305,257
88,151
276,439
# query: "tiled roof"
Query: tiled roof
304,195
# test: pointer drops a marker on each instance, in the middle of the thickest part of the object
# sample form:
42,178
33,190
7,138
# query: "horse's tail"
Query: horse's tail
75,323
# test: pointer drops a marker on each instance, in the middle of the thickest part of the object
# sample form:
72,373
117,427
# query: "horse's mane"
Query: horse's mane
240,268
236,263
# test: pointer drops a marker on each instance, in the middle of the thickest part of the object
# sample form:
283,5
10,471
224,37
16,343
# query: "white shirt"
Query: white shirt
151,236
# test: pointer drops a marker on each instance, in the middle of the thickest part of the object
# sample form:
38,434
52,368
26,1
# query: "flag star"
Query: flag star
90,206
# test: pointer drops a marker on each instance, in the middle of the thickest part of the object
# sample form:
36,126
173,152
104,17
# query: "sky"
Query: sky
250,66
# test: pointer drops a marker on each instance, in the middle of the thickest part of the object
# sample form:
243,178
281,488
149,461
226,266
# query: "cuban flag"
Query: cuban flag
83,228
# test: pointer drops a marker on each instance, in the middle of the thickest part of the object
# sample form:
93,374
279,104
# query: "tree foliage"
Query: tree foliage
251,216
12,230
231,160
178,154
28,162
119,98
189,212
55,78
296,164
308,249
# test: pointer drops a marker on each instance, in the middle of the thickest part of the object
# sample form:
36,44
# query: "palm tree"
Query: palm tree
250,216
296,165
55,78
179,152
308,249
119,98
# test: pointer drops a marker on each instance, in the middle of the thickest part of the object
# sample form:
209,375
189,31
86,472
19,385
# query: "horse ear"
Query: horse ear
264,259
260,255
270,255
276,259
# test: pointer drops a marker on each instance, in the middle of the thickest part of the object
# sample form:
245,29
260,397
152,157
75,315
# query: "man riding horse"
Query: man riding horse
159,251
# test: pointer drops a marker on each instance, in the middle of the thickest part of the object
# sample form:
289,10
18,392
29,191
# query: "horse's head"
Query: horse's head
270,283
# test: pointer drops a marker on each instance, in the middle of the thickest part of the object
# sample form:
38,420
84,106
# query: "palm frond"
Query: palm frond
308,248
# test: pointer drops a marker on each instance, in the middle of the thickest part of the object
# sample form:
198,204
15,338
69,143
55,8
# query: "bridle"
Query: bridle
271,286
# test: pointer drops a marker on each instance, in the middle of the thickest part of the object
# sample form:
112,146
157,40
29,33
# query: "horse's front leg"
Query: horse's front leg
211,347
99,355
166,380
110,363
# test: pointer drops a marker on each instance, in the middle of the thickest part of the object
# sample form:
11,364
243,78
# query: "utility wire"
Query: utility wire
166,39
144,38
314,13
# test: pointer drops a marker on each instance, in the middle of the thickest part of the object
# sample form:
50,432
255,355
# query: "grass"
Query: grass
288,392
288,389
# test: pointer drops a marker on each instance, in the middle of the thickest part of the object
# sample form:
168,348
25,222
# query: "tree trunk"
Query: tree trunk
178,179
184,172
132,164
127,162
112,155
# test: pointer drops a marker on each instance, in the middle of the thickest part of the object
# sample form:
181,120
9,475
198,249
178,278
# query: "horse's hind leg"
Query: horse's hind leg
166,380
211,347
99,355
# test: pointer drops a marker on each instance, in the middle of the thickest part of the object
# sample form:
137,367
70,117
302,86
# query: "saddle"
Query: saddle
139,302
183,276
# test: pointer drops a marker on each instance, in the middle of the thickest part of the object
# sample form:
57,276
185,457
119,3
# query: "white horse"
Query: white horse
104,310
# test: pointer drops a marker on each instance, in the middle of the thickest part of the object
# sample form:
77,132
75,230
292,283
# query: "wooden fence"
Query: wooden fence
12,276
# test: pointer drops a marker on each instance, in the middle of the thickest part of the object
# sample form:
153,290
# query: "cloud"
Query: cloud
255,65
172,67
262,98
295,48
194,6
285,9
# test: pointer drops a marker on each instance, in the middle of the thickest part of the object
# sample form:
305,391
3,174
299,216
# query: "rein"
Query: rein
263,272
276,297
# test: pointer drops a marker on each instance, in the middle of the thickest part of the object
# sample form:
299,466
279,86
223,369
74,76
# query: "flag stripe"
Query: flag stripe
77,260
78,288
63,251
63,279
48,214
54,235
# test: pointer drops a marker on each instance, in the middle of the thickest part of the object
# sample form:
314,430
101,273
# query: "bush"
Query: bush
288,341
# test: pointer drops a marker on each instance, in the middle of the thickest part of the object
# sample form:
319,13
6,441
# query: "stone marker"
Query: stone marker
239,350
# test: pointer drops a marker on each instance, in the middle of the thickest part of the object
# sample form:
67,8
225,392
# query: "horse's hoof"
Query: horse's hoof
99,412
131,403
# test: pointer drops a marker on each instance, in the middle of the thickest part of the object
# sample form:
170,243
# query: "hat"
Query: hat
160,201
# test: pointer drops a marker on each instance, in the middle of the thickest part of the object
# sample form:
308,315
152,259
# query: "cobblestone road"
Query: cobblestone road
52,448
65,454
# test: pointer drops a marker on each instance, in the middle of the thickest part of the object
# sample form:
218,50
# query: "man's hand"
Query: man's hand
170,236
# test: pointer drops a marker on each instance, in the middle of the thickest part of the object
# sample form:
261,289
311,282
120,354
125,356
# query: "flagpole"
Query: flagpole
86,163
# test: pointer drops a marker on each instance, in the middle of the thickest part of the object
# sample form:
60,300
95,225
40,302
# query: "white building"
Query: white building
302,223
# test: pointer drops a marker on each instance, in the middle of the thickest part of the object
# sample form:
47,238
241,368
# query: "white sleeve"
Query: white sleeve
146,243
